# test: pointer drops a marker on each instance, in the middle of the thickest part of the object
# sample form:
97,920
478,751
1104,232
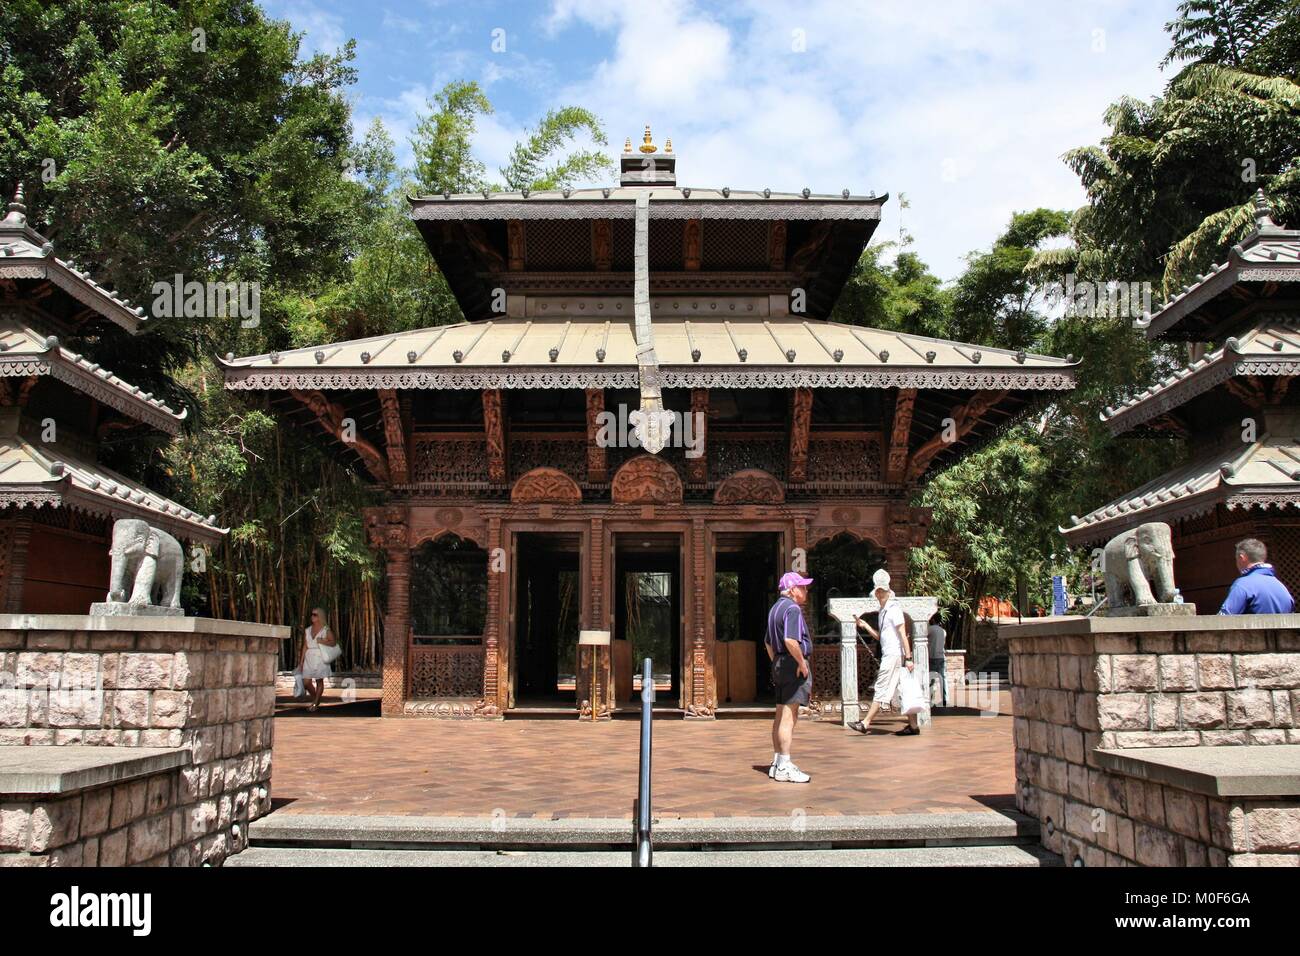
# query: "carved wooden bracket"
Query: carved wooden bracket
9,395
476,237
801,402
1256,392
515,244
394,435
602,244
896,463
494,433
332,418
964,418
646,479
692,245
697,469
776,245
597,466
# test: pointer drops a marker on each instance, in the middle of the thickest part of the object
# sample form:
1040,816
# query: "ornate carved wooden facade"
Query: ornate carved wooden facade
776,421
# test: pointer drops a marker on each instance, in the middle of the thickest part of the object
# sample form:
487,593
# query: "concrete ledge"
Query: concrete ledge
1260,771
1068,625
157,625
60,770
919,829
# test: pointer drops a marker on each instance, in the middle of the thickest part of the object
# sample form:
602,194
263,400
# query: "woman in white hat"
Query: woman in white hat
895,654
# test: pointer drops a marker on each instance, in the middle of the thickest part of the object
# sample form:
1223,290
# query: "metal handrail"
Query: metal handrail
643,850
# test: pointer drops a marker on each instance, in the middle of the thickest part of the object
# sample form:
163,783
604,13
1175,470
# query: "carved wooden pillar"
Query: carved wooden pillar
898,548
702,700
597,469
604,656
598,621
394,539
697,468
495,693
494,434
800,424
17,540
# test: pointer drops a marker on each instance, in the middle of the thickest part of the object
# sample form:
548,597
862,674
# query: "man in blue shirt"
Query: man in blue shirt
790,648
1257,590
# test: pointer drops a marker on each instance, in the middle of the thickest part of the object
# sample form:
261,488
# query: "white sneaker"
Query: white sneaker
790,774
771,771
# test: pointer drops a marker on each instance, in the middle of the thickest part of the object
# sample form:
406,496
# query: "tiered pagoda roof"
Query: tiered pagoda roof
34,475
653,286
31,476
1248,303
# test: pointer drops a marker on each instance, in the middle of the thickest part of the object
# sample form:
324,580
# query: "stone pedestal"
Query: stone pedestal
197,688
123,609
1086,692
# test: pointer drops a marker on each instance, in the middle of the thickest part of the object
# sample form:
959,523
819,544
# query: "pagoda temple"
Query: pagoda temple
57,500
1235,410
643,420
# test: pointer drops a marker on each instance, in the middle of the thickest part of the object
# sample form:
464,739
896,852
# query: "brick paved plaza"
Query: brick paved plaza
347,760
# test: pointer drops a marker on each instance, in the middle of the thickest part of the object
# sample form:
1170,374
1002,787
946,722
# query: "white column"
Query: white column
849,672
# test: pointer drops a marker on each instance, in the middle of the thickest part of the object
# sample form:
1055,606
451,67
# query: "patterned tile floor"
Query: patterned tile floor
345,759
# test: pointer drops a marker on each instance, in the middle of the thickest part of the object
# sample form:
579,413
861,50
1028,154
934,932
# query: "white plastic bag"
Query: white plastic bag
298,690
909,691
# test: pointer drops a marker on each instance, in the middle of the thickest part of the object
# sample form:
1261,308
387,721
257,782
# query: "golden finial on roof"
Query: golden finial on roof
668,146
627,146
647,144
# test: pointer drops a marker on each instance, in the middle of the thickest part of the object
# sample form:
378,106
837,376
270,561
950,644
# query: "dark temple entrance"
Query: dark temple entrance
747,567
647,614
548,603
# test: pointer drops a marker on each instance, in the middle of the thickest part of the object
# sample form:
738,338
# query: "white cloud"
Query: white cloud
965,107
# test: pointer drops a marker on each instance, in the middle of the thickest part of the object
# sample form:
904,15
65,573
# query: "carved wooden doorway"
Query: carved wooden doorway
548,615
747,566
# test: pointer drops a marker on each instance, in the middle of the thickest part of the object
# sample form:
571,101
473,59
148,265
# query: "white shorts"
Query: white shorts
887,679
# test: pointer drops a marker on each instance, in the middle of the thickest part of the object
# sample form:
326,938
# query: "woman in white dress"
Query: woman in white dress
310,659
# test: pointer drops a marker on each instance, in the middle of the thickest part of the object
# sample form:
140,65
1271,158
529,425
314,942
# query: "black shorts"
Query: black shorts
790,687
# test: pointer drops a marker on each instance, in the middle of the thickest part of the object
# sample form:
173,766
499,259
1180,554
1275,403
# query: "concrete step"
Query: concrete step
799,832
970,856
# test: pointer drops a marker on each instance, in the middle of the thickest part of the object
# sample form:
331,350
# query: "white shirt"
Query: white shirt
891,629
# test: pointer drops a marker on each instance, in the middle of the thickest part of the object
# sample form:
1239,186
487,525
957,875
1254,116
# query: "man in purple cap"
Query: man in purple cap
790,648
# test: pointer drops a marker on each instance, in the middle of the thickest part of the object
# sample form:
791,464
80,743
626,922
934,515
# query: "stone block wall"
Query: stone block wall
1079,686
202,685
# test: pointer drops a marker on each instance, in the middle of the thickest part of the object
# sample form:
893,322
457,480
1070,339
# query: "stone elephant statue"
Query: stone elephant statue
148,561
1139,567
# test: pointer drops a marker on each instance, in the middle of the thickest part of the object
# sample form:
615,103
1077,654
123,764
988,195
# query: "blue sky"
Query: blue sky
966,107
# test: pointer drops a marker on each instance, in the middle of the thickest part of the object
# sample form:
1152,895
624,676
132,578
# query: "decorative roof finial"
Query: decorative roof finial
647,144
668,146
1263,210
17,215
627,146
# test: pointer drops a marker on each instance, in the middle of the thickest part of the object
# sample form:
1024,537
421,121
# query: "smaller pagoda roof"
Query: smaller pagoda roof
1272,347
1263,474
698,350
1198,312
26,254
29,477
25,351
